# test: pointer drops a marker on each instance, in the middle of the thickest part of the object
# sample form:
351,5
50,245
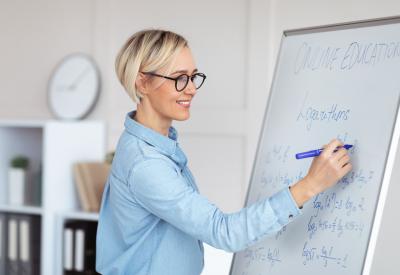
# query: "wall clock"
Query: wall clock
74,87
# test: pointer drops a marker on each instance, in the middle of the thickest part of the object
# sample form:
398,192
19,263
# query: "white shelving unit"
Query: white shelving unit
53,146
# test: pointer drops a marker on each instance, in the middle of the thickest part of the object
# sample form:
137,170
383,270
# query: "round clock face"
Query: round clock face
74,87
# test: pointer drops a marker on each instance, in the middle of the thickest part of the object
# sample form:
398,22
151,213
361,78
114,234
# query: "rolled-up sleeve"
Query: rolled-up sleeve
159,188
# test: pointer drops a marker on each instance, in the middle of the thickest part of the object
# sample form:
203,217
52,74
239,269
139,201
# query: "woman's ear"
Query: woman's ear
142,83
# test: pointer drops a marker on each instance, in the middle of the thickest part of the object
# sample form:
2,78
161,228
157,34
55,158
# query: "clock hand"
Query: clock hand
78,79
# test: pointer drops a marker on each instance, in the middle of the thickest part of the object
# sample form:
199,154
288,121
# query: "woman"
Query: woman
153,219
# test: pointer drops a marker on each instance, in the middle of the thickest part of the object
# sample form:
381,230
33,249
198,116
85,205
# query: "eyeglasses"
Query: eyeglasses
182,80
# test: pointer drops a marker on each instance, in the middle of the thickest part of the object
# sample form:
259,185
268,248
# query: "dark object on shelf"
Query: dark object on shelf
20,162
110,157
79,244
21,244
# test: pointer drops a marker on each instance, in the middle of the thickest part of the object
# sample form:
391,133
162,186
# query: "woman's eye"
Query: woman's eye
182,79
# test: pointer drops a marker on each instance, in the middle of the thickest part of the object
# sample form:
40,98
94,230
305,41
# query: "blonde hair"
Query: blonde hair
146,51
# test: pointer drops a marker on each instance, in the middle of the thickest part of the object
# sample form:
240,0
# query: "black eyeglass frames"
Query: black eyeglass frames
182,80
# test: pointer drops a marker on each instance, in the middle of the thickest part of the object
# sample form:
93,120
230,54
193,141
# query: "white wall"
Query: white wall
34,36
235,44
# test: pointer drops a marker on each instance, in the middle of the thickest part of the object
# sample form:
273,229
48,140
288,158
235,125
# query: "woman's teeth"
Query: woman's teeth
184,102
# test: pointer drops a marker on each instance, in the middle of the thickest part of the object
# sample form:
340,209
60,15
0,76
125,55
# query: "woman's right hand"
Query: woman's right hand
325,171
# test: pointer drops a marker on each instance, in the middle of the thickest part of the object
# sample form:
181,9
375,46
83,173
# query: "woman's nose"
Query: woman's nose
190,88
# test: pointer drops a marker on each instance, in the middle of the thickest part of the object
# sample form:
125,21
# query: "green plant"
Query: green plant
20,162
110,157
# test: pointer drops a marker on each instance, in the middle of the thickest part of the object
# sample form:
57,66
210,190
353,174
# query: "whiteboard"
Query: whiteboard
343,82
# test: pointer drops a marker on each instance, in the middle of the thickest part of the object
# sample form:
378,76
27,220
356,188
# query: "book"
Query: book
12,247
29,244
68,245
90,248
79,260
3,242
90,178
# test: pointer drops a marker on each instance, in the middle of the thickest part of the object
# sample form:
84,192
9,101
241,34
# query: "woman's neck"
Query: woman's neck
152,120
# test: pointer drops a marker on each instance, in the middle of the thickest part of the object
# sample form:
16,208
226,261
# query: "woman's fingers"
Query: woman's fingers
346,168
344,160
327,169
339,154
336,151
331,147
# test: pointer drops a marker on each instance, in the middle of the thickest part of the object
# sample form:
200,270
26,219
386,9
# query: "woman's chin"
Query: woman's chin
183,117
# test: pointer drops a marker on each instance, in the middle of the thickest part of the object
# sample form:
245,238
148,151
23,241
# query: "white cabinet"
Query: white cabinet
52,147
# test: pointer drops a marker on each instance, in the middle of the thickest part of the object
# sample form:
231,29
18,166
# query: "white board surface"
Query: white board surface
330,82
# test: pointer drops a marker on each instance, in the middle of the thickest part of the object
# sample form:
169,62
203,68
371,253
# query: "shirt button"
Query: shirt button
290,216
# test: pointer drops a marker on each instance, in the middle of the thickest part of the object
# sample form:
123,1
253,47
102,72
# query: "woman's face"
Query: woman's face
167,103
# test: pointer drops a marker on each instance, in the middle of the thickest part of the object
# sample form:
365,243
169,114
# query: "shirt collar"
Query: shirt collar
166,145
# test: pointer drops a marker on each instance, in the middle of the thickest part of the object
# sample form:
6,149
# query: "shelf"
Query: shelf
52,147
22,123
80,215
22,209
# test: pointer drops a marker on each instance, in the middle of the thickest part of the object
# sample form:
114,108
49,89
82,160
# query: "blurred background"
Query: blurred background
235,44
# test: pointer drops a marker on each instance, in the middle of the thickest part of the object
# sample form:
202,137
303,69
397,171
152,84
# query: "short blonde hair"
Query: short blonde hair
147,51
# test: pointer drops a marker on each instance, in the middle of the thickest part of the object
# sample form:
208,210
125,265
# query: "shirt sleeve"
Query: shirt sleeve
159,188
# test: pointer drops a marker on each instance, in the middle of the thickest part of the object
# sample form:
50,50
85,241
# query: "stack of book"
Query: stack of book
19,244
90,178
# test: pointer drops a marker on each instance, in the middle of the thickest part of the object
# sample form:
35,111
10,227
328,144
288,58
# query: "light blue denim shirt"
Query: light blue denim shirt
153,219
